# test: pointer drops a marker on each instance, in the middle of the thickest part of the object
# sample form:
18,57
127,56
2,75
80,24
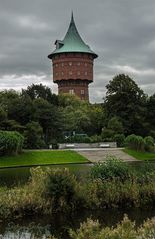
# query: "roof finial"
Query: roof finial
72,17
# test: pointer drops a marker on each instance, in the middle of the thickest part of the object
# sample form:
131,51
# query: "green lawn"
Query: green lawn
41,157
140,155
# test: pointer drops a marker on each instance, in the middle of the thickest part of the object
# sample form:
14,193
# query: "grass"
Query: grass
42,157
140,155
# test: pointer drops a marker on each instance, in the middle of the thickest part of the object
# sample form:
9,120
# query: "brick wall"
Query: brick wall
73,72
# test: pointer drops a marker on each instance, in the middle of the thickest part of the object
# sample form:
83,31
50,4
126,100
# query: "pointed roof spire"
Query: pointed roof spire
72,17
72,41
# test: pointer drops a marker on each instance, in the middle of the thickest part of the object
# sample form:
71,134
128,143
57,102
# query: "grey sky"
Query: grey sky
121,32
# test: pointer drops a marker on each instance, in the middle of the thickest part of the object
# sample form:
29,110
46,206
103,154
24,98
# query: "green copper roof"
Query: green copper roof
72,42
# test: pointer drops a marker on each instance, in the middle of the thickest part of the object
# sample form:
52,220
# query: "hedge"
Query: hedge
11,142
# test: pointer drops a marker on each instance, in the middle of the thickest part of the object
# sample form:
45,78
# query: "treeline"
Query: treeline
44,118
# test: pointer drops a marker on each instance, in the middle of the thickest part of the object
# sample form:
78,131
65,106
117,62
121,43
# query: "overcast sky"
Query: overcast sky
121,32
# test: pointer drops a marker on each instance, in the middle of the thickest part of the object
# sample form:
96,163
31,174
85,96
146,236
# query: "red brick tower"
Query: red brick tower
73,64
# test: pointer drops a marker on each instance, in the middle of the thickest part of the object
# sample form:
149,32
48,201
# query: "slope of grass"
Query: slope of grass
42,157
140,155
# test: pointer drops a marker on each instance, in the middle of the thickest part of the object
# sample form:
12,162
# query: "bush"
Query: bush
110,169
149,143
119,139
11,142
135,142
57,186
124,230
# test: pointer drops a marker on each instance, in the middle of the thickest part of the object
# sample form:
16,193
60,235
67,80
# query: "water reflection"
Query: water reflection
18,176
59,225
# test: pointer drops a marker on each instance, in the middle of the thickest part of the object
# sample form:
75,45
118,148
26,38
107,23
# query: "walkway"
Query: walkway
99,155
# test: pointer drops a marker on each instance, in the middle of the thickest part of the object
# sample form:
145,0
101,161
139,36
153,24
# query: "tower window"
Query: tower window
62,64
56,65
78,73
70,63
78,63
70,72
71,92
82,92
56,73
85,73
85,64
62,73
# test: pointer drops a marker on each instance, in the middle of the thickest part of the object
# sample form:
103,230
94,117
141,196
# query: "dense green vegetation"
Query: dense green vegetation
140,155
42,157
44,118
139,143
123,230
10,142
57,190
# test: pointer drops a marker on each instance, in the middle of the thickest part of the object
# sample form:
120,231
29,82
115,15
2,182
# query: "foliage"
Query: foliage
140,144
83,139
126,110
127,101
135,142
58,186
41,91
50,191
150,116
101,194
149,144
49,117
110,169
113,128
119,139
34,136
124,230
10,142
81,116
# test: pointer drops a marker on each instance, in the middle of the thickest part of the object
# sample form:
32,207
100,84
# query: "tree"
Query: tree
49,117
21,109
34,136
151,112
41,91
127,101
113,128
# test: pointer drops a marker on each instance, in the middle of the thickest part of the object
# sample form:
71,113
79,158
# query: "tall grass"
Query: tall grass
124,230
57,190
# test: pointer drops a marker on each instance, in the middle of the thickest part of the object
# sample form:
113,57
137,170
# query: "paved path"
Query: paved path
99,155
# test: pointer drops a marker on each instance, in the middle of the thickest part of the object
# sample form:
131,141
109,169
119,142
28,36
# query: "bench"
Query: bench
104,145
70,145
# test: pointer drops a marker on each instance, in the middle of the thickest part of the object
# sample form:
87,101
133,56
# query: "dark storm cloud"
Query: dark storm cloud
121,32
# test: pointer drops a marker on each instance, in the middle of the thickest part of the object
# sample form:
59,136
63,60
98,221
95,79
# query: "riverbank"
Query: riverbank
42,157
112,184
140,155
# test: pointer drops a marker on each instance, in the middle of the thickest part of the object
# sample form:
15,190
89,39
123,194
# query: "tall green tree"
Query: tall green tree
41,91
151,113
34,136
127,101
49,117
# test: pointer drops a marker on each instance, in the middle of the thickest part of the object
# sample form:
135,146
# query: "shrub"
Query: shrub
149,143
107,135
124,230
11,142
57,186
119,139
135,142
110,169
